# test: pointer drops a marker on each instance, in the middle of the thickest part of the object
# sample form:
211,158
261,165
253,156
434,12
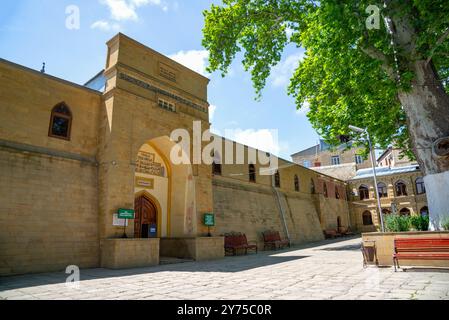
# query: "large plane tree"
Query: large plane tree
383,66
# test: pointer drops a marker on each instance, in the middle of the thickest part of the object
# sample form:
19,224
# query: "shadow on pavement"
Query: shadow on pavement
425,269
228,264
353,247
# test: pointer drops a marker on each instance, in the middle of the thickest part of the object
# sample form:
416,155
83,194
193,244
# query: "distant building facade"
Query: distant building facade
392,157
401,191
400,182
339,162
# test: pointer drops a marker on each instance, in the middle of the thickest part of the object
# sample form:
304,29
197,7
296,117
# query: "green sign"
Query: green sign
125,213
209,219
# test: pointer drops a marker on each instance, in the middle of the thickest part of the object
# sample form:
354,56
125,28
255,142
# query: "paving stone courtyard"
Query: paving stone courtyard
325,270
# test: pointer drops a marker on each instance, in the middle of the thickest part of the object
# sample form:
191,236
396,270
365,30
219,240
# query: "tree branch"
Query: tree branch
440,41
376,54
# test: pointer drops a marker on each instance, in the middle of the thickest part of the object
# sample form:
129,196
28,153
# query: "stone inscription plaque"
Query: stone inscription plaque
146,164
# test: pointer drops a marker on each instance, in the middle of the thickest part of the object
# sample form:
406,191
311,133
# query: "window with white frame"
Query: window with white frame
335,160
167,105
358,159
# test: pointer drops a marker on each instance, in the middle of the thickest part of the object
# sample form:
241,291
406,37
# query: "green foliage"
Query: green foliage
445,224
420,223
397,223
339,77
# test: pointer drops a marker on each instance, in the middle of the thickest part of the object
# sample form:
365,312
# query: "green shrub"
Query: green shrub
445,224
396,223
420,223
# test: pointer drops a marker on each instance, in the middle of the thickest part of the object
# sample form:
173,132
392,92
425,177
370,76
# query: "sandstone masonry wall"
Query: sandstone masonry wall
253,208
50,218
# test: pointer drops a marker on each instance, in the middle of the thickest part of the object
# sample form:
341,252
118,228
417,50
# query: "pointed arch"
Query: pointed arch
60,122
155,202
252,172
277,179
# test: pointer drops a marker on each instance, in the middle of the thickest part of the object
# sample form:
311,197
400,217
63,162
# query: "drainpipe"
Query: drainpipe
278,198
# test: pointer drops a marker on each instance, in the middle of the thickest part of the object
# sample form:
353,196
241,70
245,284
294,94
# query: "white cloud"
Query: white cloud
122,10
212,109
282,72
289,31
193,59
262,139
105,26
305,108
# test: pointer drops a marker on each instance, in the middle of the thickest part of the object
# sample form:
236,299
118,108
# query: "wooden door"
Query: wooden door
146,215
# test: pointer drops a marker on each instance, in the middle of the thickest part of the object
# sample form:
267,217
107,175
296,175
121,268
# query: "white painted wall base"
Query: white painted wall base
437,191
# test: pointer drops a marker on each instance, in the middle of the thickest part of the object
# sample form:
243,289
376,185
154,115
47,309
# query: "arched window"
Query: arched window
363,192
337,193
382,190
325,190
216,165
386,211
367,218
252,173
404,212
424,211
312,186
420,187
296,183
60,122
277,179
401,189
216,169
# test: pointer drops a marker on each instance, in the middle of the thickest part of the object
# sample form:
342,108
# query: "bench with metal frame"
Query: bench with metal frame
235,241
272,239
420,249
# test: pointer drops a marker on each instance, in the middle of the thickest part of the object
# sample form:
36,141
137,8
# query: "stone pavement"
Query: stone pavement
325,270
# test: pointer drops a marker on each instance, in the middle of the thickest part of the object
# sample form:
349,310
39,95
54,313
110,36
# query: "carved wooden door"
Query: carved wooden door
146,216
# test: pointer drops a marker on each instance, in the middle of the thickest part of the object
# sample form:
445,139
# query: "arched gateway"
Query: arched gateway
142,111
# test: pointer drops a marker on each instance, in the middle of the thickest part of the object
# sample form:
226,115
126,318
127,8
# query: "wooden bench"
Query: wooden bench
343,231
420,249
235,241
330,233
272,239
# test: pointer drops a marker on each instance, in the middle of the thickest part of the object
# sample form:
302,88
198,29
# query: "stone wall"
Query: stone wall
253,208
129,253
198,249
48,213
324,158
48,186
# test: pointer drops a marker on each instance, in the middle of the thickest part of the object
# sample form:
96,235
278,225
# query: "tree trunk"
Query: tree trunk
427,108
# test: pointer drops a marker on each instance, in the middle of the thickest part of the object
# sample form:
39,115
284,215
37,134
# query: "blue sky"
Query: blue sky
33,31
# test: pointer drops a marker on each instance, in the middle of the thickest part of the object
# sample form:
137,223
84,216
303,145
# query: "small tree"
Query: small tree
420,223
445,224
396,223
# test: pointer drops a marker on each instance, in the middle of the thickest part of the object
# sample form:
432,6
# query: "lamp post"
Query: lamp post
360,130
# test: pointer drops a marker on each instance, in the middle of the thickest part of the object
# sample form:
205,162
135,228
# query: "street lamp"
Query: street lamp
360,130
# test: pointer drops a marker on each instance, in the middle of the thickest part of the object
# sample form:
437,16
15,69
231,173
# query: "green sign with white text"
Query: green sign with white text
125,213
209,219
